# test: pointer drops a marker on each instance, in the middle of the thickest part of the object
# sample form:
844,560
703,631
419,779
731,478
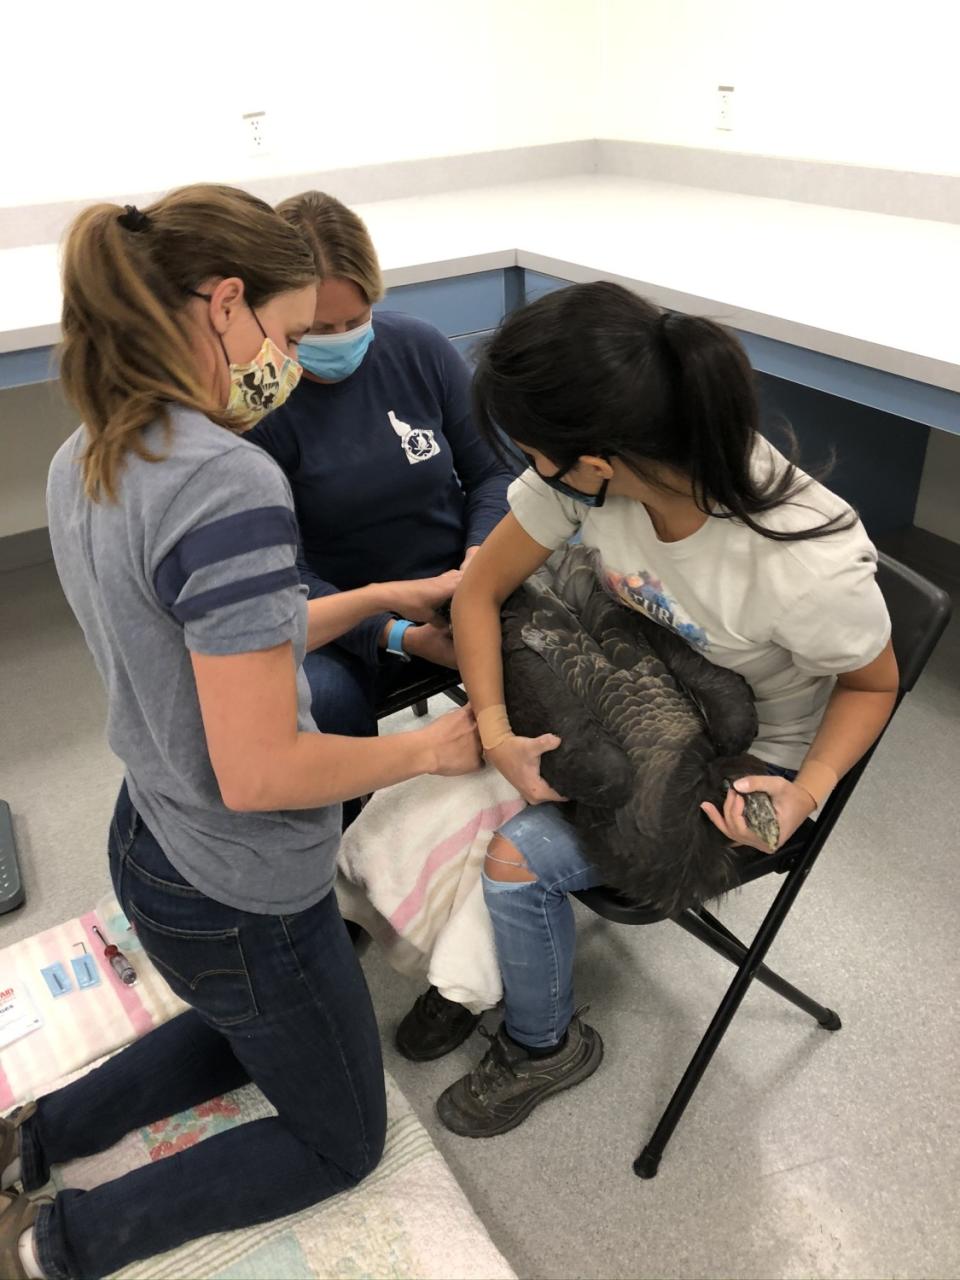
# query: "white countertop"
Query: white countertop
865,287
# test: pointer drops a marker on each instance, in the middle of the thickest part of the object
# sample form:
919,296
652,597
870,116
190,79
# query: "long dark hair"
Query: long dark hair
594,369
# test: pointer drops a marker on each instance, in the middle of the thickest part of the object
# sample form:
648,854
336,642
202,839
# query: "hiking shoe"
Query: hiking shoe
433,1027
508,1083
17,1213
10,1136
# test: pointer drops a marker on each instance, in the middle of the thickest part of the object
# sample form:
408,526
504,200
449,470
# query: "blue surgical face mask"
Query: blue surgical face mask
334,356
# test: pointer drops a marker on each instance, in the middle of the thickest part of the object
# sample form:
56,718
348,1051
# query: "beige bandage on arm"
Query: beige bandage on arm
493,726
817,780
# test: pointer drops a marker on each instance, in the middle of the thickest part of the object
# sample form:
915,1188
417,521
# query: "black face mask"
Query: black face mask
554,482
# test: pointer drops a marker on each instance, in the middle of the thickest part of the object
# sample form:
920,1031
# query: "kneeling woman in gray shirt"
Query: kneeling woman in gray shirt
176,544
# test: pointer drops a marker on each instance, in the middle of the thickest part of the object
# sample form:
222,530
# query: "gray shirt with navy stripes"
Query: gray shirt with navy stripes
199,554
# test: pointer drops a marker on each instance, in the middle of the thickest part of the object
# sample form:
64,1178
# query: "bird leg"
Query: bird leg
760,815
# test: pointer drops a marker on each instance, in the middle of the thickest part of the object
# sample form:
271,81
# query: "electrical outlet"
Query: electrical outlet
256,133
724,107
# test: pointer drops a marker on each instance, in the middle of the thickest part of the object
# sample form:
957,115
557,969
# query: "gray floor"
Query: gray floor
804,1153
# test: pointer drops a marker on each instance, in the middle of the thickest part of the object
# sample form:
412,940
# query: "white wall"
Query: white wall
866,82
107,97
111,96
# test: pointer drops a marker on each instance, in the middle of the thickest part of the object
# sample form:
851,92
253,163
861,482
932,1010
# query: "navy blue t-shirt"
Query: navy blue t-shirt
389,477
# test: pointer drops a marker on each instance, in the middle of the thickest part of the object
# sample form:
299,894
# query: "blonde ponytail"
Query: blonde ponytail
126,355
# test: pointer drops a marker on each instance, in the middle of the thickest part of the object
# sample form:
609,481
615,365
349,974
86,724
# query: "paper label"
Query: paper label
18,1013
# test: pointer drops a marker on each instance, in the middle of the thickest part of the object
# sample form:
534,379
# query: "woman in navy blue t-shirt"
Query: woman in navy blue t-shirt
389,477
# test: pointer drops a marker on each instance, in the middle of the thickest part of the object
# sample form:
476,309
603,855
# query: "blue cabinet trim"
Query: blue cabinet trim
461,304
21,368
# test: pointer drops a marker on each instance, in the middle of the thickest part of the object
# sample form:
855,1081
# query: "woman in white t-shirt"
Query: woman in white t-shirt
641,432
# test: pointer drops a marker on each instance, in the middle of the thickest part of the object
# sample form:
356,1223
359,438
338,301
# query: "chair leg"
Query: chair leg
457,695
420,708
648,1161
718,938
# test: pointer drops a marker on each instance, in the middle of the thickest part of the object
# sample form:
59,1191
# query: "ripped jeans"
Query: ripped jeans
533,922
533,925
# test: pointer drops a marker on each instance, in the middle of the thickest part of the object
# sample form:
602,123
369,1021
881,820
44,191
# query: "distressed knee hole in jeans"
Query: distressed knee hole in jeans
500,886
510,869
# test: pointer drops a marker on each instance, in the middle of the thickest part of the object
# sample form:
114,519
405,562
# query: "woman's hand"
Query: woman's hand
518,759
468,556
792,803
418,598
434,644
455,743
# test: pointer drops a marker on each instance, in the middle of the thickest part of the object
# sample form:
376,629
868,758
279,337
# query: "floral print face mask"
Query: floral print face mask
263,383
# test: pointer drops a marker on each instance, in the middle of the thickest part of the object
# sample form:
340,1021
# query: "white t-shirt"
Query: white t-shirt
789,616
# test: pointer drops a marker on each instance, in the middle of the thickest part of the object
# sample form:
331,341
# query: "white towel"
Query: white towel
409,873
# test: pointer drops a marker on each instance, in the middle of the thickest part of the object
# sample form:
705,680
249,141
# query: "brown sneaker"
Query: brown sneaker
17,1213
508,1083
9,1135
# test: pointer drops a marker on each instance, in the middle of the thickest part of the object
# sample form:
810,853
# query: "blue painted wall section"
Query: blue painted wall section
903,397
879,456
537,284
469,344
467,308
21,368
458,306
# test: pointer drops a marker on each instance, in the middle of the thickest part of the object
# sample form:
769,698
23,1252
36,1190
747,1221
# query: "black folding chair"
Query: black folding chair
919,612
420,689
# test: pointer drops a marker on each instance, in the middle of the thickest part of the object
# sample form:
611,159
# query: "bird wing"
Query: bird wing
589,764
723,697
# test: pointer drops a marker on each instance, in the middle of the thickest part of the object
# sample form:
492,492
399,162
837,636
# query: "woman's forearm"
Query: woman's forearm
851,724
321,769
329,617
417,599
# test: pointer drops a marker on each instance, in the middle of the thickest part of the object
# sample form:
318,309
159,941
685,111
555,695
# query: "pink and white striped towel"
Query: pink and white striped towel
82,1025
409,872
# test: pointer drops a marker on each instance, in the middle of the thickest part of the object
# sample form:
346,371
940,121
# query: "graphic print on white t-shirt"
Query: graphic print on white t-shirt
419,443
645,592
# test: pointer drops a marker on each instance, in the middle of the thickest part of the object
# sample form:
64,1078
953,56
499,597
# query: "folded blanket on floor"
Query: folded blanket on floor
81,1025
408,1219
409,873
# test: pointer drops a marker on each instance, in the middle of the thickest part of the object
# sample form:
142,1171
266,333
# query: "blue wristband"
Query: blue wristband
395,639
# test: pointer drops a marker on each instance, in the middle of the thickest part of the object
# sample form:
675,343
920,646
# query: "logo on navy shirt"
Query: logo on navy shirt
418,443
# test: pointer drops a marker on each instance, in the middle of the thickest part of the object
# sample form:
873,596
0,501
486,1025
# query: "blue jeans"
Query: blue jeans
279,1000
533,922
343,692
